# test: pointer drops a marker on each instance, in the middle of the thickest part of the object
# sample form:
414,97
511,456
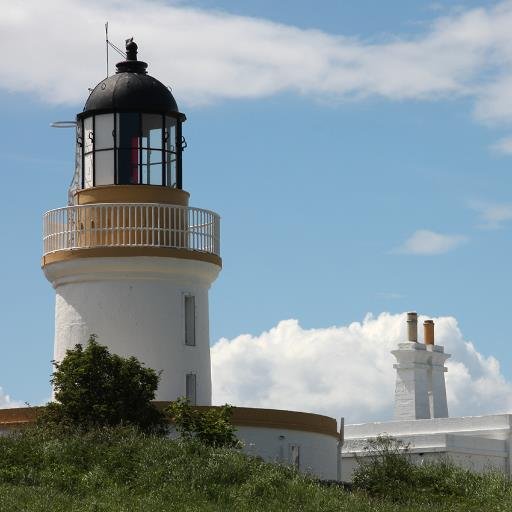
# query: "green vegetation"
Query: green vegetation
209,426
95,388
387,473
123,469
386,469
101,448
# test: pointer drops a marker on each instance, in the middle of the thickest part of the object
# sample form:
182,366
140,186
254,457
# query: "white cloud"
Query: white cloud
348,370
493,215
428,242
6,402
503,146
55,49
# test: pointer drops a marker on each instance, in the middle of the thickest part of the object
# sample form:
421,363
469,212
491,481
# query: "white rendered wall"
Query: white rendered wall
136,307
439,406
412,381
318,452
495,426
420,391
473,453
477,443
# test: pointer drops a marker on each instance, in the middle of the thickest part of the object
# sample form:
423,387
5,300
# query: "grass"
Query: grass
124,470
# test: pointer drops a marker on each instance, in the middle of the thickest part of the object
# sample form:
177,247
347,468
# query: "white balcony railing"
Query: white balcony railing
131,225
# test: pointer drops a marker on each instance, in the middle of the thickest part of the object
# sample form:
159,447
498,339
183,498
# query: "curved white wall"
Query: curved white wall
136,307
318,453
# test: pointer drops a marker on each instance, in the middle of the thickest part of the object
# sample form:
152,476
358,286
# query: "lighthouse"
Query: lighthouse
129,259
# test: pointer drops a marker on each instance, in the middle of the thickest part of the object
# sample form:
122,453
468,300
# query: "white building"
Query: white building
421,415
132,262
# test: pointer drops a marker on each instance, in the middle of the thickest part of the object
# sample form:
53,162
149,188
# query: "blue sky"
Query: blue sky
358,153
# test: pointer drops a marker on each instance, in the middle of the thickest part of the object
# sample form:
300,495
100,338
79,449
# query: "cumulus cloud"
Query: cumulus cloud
493,215
348,370
503,146
56,50
428,242
6,402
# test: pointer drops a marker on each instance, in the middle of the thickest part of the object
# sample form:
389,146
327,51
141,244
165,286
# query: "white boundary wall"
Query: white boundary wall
318,455
478,443
312,453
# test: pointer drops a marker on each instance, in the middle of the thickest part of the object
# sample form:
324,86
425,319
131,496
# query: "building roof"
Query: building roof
132,89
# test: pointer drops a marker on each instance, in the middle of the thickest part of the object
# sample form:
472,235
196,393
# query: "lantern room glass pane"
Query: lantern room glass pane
170,151
155,174
88,173
152,167
170,169
128,166
152,125
88,135
104,131
128,129
170,134
104,168
128,140
77,179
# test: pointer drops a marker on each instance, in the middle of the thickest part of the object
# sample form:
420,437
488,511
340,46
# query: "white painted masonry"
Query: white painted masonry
420,390
411,389
136,307
438,401
477,443
317,453
311,453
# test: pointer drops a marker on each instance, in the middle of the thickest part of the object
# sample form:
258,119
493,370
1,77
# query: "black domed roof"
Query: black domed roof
131,88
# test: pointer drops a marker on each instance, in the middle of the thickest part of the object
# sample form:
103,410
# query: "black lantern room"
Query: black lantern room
129,132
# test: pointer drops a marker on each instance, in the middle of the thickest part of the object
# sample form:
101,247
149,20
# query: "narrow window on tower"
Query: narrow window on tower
191,388
190,320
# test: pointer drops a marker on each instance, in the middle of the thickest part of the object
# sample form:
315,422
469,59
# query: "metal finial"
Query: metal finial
131,64
131,49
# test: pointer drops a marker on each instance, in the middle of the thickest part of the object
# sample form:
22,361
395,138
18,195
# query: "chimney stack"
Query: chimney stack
412,327
420,391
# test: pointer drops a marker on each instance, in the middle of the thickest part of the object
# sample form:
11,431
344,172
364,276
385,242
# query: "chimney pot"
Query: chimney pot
412,326
428,327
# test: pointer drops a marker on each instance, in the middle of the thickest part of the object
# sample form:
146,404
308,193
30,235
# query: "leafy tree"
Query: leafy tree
94,388
211,426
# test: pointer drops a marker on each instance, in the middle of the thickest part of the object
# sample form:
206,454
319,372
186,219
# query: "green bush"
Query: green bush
387,471
384,466
210,426
95,388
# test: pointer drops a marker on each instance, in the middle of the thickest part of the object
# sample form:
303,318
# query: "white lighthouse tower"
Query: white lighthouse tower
130,261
